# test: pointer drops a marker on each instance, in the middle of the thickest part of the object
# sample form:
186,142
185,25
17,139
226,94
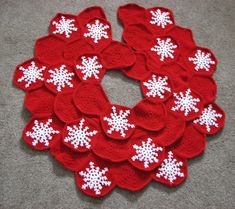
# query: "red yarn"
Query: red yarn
49,49
65,108
39,101
90,98
109,145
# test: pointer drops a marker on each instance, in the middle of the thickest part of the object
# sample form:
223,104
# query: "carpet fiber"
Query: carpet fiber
33,180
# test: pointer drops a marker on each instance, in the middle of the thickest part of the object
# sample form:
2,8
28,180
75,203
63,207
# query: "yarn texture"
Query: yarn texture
108,145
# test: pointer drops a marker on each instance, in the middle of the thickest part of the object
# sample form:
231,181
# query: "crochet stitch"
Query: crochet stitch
105,144
79,135
94,178
90,67
97,31
146,153
31,74
160,18
64,26
118,122
41,132
164,48
157,86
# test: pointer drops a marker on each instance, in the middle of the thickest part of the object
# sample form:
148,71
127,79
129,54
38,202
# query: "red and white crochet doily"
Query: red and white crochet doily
109,145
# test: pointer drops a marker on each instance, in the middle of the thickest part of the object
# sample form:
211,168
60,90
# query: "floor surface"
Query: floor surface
33,180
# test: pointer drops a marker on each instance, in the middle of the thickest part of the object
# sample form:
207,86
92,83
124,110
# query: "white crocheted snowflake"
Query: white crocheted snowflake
170,169
185,102
64,26
60,77
79,135
208,118
94,178
202,60
118,122
146,153
41,132
31,74
97,31
157,86
164,48
90,67
160,18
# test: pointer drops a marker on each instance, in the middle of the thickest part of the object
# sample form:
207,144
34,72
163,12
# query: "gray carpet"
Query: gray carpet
33,180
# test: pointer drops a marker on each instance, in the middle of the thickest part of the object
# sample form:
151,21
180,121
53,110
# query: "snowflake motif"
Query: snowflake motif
160,18
94,178
65,26
164,48
147,152
208,118
118,121
90,67
185,103
97,31
79,136
42,132
60,77
202,61
31,74
157,86
170,168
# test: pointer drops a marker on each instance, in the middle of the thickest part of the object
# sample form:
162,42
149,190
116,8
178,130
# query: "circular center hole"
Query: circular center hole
120,89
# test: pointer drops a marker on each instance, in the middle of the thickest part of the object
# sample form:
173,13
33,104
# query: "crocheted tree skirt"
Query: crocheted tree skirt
109,145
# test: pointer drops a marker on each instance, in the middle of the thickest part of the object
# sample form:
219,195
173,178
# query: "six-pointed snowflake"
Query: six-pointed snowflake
164,48
79,135
94,178
146,153
157,86
64,26
170,169
208,118
97,31
185,102
118,122
31,74
202,61
90,67
160,18
42,132
60,77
